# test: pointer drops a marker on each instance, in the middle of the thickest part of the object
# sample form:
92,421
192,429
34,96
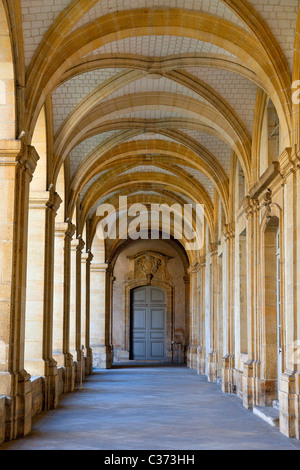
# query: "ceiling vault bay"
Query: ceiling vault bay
166,89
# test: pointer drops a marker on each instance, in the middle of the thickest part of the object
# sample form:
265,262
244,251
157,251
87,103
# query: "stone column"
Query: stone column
58,303
289,394
212,366
78,340
84,259
101,315
251,374
192,357
201,351
17,166
228,360
73,298
89,351
68,361
186,281
51,373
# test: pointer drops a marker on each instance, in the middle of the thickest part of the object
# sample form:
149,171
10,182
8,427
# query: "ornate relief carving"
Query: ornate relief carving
149,265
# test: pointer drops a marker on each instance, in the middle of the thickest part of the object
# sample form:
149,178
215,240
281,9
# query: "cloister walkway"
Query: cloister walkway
150,408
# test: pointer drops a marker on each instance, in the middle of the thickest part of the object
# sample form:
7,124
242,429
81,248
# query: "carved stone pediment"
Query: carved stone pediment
149,265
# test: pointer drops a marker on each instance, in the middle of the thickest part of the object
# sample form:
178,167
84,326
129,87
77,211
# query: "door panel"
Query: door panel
148,334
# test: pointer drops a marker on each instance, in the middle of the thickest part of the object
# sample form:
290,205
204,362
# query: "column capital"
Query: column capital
90,258
213,248
80,246
229,231
14,152
250,205
29,158
70,231
54,202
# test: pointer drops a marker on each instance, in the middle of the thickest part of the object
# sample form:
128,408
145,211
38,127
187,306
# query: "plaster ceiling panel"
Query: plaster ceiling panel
71,93
82,150
159,46
281,17
199,176
154,85
37,17
238,91
216,146
214,7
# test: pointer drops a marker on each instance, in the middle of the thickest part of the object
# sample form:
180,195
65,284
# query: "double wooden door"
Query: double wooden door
148,324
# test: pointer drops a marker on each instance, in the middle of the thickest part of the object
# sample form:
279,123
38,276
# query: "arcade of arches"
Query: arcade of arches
164,102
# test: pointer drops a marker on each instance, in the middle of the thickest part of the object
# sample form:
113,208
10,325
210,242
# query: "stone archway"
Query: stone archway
147,268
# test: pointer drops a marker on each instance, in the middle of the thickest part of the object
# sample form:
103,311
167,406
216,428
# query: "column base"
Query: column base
178,353
192,357
18,415
102,357
212,366
51,385
201,362
89,361
289,403
69,366
248,385
228,385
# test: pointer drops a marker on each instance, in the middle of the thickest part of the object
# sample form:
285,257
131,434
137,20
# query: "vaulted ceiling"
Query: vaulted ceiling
158,89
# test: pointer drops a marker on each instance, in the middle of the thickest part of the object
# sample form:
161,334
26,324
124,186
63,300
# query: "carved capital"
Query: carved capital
70,232
54,202
29,158
250,205
229,231
80,246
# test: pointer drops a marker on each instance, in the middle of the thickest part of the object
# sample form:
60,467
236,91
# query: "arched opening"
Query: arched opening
271,324
7,80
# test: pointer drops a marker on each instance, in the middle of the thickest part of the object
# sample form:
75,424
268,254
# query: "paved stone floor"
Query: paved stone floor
162,408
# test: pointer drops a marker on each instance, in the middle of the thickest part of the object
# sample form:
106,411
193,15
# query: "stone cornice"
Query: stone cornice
271,175
99,267
287,162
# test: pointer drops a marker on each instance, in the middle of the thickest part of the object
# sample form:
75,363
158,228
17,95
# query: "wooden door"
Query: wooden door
148,324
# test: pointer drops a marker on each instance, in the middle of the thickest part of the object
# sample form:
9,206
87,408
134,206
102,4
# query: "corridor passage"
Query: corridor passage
150,408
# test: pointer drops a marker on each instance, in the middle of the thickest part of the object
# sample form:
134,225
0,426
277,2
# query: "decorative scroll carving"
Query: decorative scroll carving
148,266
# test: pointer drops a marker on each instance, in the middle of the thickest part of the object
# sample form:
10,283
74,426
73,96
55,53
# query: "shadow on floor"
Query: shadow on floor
138,364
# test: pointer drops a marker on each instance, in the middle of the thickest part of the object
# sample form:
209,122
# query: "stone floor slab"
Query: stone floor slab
151,408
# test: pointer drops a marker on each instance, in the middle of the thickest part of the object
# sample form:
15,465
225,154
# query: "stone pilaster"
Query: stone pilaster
192,356
212,356
51,373
228,360
186,281
68,358
78,342
89,351
250,378
201,350
17,166
289,392
100,315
